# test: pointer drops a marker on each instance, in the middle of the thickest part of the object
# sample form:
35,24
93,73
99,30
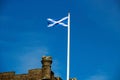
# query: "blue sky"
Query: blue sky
95,37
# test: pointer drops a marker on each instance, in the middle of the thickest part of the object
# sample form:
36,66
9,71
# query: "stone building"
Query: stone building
73,79
45,73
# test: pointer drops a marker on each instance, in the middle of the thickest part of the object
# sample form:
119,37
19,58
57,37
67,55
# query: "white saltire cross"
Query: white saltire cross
57,22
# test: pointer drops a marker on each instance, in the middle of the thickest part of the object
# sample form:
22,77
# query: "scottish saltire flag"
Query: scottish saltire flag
60,22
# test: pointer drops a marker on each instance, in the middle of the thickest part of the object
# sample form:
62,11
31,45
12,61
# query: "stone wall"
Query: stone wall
44,73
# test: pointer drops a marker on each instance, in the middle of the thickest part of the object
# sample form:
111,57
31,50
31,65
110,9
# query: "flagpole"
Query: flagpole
68,48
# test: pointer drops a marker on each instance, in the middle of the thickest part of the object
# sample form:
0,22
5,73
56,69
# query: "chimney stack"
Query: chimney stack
46,67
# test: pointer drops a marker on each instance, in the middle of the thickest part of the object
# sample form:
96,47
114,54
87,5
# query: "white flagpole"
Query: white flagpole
68,48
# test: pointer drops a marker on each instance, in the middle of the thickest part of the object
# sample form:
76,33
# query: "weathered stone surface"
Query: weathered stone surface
44,73
73,79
